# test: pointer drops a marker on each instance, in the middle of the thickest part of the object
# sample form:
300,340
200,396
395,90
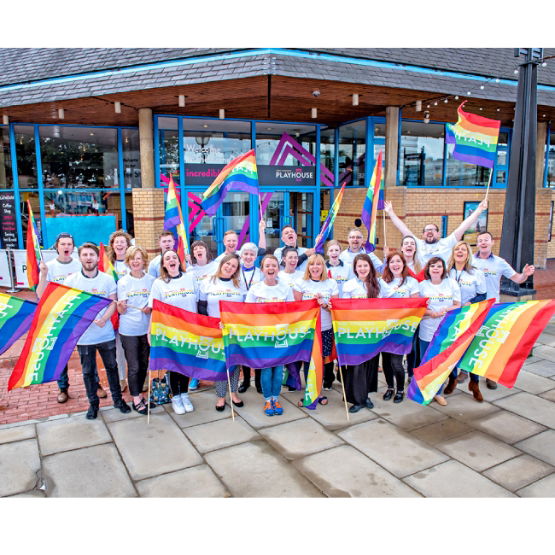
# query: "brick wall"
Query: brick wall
148,214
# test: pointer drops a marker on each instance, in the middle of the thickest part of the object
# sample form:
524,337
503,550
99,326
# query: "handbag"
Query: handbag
160,392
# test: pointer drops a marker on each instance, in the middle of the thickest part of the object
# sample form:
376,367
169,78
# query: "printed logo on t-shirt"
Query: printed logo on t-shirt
183,292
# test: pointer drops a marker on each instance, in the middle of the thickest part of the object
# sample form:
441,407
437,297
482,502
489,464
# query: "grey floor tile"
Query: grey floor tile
223,433
408,415
465,408
507,427
204,403
542,488
19,464
531,407
541,446
532,383
17,433
544,368
441,431
546,352
518,472
549,395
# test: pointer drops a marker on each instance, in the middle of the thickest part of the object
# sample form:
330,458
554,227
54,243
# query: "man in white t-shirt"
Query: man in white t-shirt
355,247
100,335
56,271
231,241
166,242
431,243
289,237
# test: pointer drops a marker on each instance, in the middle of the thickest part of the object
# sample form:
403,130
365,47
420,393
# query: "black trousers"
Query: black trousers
247,376
137,350
360,380
178,383
393,368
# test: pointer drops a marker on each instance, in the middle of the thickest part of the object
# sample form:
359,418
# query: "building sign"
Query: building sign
8,227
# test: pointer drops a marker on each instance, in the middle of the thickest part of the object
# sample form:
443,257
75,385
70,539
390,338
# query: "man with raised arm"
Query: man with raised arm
289,237
355,247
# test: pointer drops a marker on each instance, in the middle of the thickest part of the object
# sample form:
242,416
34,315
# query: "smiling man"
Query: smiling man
166,242
355,247
289,237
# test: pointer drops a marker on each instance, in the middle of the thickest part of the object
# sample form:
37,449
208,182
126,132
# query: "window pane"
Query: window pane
352,152
26,159
169,154
131,158
379,140
551,161
6,181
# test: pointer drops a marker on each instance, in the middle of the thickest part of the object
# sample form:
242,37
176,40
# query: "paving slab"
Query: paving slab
110,414
532,383
531,407
34,493
453,479
90,472
549,395
541,446
223,433
19,464
407,414
478,450
546,352
197,481
465,408
542,488
508,427
17,433
519,472
71,433
254,469
546,339
204,403
395,450
300,438
489,395
542,368
355,476
155,448
441,431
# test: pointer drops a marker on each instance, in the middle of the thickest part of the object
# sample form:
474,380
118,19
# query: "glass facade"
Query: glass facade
550,170
6,179
352,153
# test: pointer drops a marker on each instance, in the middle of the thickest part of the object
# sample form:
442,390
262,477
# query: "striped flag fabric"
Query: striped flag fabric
365,327
239,175
328,224
173,218
374,201
505,339
475,138
16,316
62,316
455,333
34,254
105,264
186,342
315,375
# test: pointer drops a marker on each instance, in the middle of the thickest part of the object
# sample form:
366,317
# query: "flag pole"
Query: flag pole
489,183
343,388
148,398
230,399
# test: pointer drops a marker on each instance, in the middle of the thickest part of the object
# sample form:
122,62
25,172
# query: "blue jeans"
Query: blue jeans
270,380
423,348
63,380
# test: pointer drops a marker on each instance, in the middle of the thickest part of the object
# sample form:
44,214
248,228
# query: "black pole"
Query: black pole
517,236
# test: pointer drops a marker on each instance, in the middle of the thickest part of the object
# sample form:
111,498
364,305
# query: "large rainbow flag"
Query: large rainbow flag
455,333
374,201
365,327
262,335
105,264
61,317
33,251
315,373
173,218
186,342
239,175
15,318
475,138
505,339
327,225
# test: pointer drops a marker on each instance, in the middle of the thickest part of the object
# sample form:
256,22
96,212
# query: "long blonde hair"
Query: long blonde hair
235,277
467,263
311,261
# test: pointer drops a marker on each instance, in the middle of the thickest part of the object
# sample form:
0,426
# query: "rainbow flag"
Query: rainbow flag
15,318
365,327
105,264
506,338
62,316
327,225
315,374
475,138
448,345
173,217
239,175
374,201
33,251
186,342
268,334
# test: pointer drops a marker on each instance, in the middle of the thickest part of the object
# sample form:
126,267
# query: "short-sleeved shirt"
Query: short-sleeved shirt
348,256
215,290
181,291
260,292
441,248
397,290
341,273
121,268
471,284
355,289
290,279
493,267
440,296
250,276
58,271
104,285
300,251
310,289
136,292
203,272
154,266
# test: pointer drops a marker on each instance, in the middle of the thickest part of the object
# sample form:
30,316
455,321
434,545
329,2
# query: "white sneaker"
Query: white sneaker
187,405
177,404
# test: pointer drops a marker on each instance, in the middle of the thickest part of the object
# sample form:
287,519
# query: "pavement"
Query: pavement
504,447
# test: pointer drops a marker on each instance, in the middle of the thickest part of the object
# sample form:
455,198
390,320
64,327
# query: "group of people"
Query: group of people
443,270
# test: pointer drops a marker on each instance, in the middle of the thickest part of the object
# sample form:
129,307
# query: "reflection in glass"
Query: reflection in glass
204,228
551,161
169,154
6,180
352,151
62,203
26,158
131,158
285,144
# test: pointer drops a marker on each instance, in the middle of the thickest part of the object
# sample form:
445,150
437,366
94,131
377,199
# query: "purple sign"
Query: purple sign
8,227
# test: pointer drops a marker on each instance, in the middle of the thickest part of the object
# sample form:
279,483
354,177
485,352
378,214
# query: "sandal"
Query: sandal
323,400
141,408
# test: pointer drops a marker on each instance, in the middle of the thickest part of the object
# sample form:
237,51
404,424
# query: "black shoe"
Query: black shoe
398,396
291,388
369,404
239,404
491,384
259,389
355,408
122,406
220,409
243,387
92,413
142,407
388,394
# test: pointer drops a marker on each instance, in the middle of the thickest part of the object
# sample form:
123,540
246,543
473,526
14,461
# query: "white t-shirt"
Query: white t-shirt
394,289
440,296
300,251
103,285
181,292
136,291
154,266
290,279
250,277
471,284
341,273
348,256
121,268
58,271
219,290
493,268
441,248
203,272
262,293
310,290
355,289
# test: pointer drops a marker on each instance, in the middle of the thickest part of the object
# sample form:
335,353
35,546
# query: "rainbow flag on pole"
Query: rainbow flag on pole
15,318
186,342
173,217
262,335
475,138
365,327
33,251
61,317
105,264
505,339
374,201
239,175
327,225
315,373
455,333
